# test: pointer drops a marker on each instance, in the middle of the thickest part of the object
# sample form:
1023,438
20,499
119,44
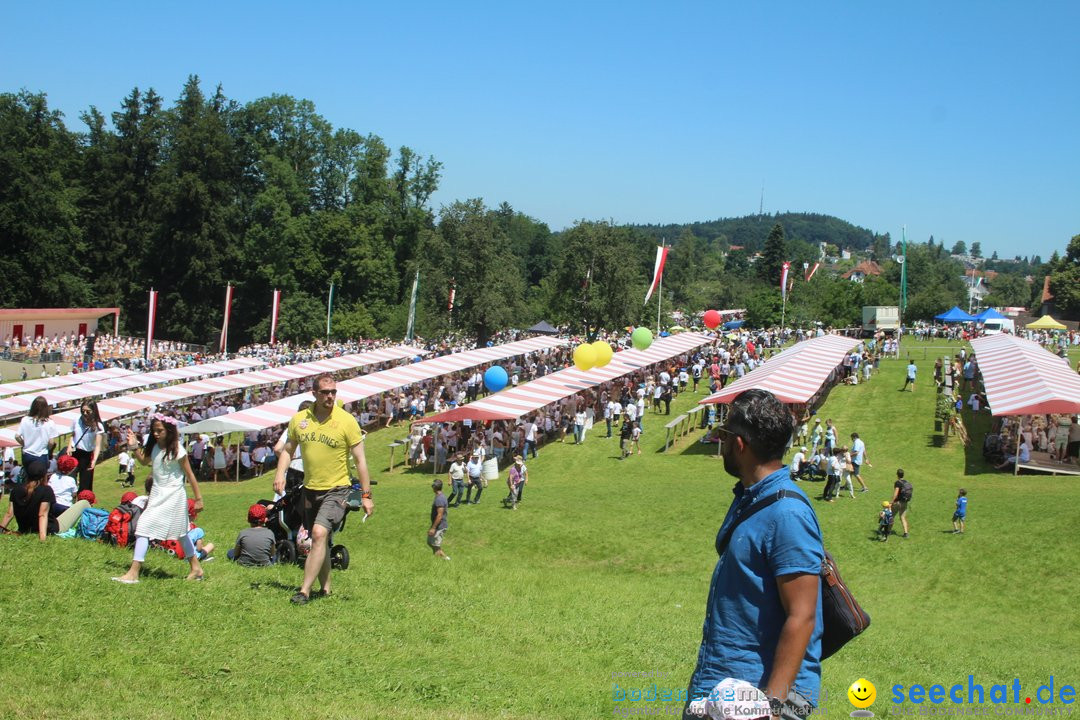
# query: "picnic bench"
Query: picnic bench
671,431
394,446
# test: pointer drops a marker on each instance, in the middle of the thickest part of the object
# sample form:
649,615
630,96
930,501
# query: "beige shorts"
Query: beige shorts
435,540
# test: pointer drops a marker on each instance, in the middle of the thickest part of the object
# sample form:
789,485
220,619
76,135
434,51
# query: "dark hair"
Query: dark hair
900,472
855,435
172,439
763,422
436,485
963,491
94,414
40,409
36,471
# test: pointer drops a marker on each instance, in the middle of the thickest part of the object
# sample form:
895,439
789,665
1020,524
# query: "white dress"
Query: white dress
166,516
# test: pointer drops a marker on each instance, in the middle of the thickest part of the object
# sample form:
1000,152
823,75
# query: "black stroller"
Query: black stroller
285,520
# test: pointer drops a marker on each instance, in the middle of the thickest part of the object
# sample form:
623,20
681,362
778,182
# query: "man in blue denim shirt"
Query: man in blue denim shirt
763,617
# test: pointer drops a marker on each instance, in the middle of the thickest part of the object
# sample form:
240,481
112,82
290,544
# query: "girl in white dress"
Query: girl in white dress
166,513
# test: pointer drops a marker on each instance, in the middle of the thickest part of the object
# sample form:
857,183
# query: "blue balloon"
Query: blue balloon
495,378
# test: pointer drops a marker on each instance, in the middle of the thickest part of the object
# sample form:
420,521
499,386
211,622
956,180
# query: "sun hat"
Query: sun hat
803,448
127,497
257,513
191,511
885,503
66,463
87,495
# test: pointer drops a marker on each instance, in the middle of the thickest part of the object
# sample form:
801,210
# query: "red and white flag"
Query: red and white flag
275,307
783,280
450,304
658,271
151,319
812,271
225,325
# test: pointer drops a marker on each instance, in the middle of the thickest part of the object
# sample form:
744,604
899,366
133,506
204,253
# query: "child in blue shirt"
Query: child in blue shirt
960,513
885,520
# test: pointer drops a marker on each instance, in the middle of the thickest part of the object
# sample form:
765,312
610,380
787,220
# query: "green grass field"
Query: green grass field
604,569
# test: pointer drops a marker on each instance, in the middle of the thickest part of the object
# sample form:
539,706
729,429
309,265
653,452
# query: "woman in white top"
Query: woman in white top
85,444
166,513
37,433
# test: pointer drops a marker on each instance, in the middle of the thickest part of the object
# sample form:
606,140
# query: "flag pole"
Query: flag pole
412,307
660,293
329,308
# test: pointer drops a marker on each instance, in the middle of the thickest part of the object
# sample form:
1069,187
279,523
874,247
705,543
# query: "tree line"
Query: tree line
189,197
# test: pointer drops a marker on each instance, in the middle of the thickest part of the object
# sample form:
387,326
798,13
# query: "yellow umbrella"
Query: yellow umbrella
1046,323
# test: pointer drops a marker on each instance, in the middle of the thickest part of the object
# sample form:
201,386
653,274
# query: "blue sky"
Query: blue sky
958,119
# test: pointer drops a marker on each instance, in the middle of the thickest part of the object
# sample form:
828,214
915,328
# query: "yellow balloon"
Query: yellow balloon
584,357
603,353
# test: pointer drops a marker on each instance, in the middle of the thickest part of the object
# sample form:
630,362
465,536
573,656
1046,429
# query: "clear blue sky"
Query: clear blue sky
958,119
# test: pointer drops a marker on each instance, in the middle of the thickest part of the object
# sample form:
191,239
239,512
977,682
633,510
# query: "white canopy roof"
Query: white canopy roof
527,398
56,381
138,402
795,375
280,411
20,404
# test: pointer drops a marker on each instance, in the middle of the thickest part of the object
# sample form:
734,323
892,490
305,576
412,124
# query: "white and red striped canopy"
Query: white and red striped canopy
1021,378
280,411
130,404
795,375
20,404
527,398
56,381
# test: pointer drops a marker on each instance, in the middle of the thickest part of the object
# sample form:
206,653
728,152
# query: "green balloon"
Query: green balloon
641,338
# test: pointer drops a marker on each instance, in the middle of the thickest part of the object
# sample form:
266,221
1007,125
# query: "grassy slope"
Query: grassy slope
604,569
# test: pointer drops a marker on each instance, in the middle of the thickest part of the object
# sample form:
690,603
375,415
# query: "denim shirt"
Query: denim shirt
744,615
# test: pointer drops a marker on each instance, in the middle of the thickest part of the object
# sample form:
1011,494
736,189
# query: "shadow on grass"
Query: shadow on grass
978,425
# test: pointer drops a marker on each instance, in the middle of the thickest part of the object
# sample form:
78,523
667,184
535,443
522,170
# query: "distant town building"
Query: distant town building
860,272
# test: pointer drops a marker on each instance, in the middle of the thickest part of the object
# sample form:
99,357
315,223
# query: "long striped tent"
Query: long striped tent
280,411
19,404
1021,378
57,381
795,375
527,398
138,402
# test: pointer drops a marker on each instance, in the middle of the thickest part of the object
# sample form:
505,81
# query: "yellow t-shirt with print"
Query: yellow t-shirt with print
325,446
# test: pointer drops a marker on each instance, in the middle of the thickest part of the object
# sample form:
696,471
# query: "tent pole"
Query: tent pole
1019,432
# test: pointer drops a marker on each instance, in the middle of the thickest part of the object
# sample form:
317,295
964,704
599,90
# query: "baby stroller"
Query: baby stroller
285,520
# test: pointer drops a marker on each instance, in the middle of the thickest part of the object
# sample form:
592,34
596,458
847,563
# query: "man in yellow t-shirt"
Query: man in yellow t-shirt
326,436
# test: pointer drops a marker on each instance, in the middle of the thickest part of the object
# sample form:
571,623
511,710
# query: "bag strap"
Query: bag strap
722,542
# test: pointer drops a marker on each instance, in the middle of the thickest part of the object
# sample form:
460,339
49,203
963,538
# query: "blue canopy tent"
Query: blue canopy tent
734,324
955,315
989,314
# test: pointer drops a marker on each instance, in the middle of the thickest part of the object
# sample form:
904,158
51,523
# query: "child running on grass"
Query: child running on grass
166,513
960,513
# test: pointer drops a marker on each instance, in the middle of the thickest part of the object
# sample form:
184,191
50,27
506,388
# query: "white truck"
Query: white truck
877,318
994,326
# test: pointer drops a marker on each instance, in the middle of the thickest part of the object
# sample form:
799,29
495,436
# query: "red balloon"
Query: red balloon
712,319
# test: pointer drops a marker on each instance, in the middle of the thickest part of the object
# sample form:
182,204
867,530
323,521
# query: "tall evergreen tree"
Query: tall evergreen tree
769,265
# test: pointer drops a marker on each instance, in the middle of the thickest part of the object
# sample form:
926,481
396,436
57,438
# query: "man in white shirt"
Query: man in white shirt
530,436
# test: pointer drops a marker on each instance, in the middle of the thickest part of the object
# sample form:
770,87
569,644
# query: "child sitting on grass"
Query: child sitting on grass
885,521
960,513
254,545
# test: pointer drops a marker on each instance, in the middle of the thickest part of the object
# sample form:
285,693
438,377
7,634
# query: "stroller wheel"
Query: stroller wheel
339,557
286,552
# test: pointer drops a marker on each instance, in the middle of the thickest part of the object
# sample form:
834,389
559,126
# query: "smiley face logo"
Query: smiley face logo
862,693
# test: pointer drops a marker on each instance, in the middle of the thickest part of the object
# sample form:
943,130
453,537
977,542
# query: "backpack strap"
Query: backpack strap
722,541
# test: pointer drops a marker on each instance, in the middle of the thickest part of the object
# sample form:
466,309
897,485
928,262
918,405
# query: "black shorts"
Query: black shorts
324,507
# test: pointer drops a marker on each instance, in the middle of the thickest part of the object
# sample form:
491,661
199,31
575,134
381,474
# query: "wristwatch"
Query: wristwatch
776,706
